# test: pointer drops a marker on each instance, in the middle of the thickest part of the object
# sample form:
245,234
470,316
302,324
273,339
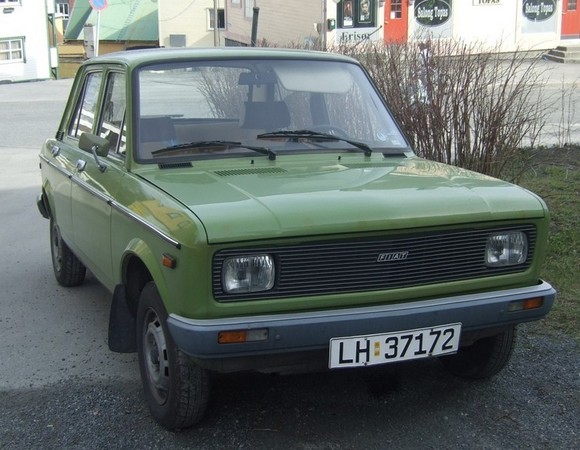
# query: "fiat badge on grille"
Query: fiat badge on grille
393,256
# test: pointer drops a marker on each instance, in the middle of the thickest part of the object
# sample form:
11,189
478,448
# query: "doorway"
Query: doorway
570,19
396,16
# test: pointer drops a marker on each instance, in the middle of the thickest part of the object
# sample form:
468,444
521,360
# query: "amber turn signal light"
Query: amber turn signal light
523,305
241,336
168,261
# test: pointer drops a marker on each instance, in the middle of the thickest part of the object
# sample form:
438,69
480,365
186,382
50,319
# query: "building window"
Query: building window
12,50
221,19
249,8
396,9
358,13
62,9
177,40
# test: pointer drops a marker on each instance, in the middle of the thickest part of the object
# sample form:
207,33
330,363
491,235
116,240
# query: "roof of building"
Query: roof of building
120,21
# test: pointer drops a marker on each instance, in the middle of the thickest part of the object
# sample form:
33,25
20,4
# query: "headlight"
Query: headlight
243,274
506,249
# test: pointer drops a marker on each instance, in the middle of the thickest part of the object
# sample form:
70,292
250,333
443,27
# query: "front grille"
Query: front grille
334,267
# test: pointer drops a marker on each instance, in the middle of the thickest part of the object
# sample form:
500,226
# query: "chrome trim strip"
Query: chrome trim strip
91,190
136,218
58,168
124,210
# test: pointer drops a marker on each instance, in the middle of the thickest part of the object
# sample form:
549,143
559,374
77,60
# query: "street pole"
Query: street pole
216,38
255,26
97,33
323,28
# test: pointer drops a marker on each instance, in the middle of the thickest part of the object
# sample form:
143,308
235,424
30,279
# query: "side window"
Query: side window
113,118
84,116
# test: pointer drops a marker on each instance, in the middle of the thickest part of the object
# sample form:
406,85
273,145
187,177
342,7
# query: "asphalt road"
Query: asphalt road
60,387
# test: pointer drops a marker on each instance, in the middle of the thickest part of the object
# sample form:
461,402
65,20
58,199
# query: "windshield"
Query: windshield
184,106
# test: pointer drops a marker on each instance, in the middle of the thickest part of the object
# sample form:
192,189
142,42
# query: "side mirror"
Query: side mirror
90,142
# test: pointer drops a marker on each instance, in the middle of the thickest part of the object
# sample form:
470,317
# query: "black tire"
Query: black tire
484,358
68,270
176,389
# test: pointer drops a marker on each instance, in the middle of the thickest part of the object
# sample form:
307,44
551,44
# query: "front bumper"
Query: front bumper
307,331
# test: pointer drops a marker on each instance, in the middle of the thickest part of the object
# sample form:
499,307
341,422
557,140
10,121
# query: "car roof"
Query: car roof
139,57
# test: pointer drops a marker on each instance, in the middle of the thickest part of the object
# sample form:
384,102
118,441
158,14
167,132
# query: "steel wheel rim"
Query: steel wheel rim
156,357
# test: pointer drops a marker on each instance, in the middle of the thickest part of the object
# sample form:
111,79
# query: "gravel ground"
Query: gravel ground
533,404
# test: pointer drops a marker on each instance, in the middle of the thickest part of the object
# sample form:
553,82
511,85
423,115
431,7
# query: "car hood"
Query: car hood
290,197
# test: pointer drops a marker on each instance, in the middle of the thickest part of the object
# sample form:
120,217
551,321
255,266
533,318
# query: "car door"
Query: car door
96,179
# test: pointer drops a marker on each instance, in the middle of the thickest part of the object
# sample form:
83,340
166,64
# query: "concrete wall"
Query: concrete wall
28,20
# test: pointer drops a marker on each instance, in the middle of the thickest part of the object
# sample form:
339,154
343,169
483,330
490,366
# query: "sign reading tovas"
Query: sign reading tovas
538,10
431,13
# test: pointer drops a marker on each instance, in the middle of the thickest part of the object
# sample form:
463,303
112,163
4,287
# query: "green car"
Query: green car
260,209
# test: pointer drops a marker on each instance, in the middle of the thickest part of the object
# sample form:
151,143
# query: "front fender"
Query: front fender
147,256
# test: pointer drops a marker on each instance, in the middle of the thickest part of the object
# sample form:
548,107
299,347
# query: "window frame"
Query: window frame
10,51
355,20
120,148
210,19
63,9
249,8
72,129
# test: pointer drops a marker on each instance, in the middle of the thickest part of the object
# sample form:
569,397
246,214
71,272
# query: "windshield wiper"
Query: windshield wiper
309,134
226,144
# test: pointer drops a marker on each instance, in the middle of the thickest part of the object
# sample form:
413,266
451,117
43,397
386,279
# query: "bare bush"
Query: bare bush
221,88
459,104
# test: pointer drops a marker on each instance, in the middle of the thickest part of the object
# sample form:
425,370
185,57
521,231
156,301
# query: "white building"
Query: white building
24,42
513,24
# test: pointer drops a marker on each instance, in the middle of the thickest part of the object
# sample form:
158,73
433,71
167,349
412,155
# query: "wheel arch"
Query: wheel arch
137,269
47,201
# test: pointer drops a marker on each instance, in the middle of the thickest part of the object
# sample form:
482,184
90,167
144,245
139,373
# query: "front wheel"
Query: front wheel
484,358
176,389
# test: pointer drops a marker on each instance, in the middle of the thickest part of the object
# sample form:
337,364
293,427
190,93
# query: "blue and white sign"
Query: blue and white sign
98,5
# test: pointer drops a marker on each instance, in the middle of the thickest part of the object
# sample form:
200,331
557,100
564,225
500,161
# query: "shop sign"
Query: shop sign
358,35
538,10
431,13
487,2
